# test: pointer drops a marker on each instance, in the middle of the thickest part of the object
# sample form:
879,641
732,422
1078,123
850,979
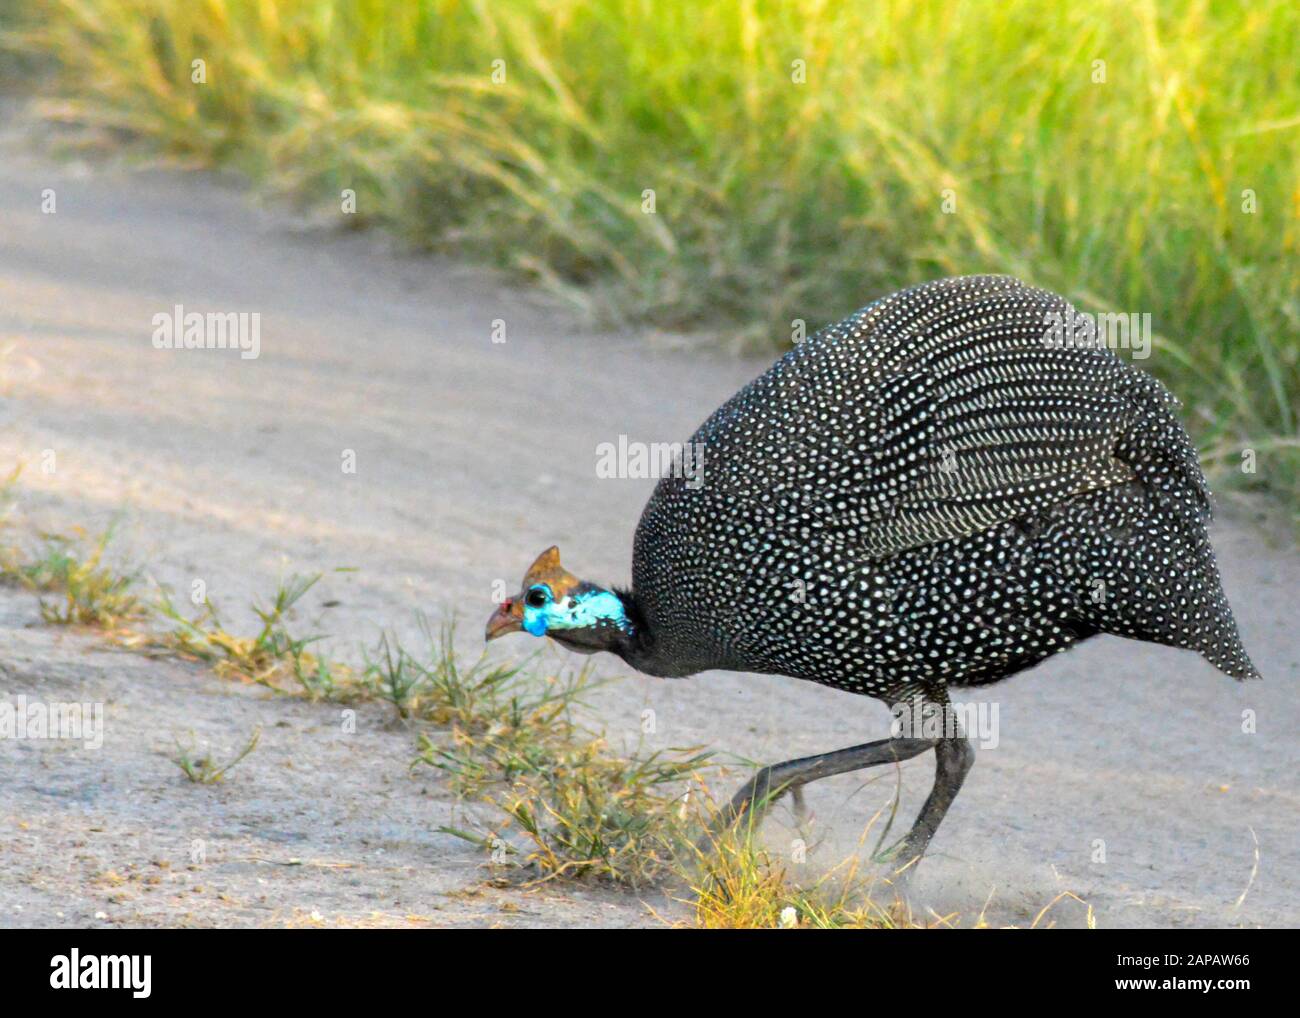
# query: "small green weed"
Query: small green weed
205,769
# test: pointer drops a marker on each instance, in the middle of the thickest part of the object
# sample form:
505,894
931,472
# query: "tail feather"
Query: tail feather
1177,596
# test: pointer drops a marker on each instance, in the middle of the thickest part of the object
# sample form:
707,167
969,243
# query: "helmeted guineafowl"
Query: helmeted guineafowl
939,491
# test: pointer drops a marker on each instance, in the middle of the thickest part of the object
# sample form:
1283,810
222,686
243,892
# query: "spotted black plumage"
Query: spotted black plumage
928,494
939,491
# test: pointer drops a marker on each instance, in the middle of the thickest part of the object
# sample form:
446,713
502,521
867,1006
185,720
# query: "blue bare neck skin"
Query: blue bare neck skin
587,607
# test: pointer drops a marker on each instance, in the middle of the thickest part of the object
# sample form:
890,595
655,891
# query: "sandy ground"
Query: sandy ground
1122,771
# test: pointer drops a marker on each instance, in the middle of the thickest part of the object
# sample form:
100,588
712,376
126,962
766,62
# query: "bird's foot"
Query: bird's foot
903,856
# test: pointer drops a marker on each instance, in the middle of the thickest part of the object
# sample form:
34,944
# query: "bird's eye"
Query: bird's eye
535,598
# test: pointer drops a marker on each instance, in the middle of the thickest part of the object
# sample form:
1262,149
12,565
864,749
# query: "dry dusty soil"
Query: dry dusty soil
1122,771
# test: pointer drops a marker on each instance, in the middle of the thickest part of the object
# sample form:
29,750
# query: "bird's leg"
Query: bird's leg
771,783
801,813
803,818
954,757
801,810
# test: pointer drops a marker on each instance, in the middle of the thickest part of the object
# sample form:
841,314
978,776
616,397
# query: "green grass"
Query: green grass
437,687
203,768
775,200
565,802
737,884
275,656
76,586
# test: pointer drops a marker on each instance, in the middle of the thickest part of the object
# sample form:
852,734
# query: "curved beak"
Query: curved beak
508,618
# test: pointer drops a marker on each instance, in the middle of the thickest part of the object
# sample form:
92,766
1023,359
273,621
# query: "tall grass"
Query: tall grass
774,200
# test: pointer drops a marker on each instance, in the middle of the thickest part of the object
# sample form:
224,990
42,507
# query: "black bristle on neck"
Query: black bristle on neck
638,648
642,650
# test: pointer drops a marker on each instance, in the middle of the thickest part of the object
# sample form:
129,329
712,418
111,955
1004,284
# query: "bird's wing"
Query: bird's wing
976,411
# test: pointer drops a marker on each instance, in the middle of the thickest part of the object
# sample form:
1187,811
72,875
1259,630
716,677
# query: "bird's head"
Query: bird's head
553,602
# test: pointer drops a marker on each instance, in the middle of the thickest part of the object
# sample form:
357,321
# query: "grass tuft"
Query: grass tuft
591,812
273,656
736,884
566,803
205,769
436,687
90,592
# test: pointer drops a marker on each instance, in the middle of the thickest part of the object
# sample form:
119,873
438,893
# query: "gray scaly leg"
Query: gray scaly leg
770,783
953,760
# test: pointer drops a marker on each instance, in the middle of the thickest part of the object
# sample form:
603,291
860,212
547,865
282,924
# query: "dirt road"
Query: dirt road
1122,771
